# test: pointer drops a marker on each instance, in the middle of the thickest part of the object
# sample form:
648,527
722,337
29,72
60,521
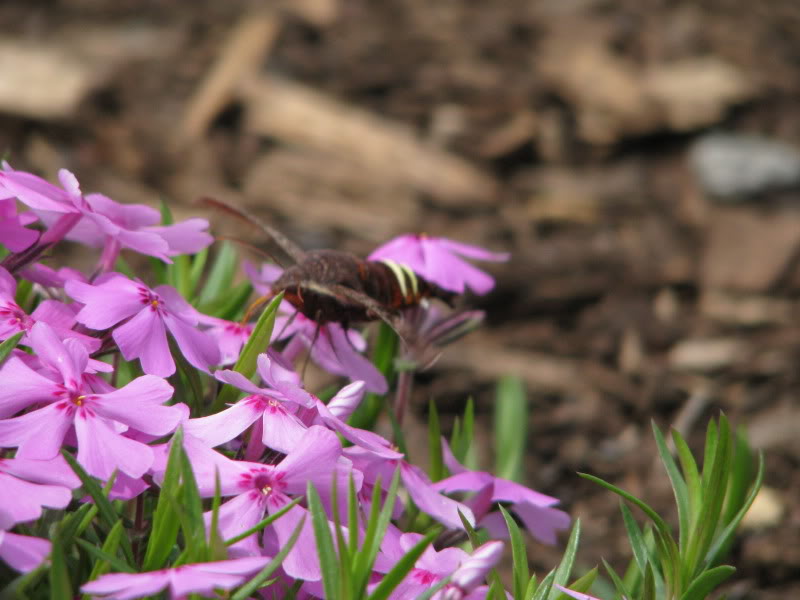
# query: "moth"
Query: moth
335,286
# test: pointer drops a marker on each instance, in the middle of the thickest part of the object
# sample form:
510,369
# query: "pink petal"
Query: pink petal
238,380
35,192
360,437
137,405
443,509
22,501
145,338
107,304
38,434
22,386
124,586
237,515
475,568
101,450
313,459
222,427
282,431
189,580
198,348
302,562
187,237
70,361
542,522
55,471
471,251
347,400
21,552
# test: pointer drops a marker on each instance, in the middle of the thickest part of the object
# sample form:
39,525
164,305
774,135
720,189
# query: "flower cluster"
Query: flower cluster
89,379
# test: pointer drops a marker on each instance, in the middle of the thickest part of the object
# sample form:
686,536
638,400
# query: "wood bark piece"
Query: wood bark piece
244,51
301,116
488,359
325,192
749,251
43,81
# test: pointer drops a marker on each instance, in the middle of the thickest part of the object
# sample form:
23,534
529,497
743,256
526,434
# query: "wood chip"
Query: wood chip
767,510
695,92
704,355
614,97
292,180
42,81
299,115
747,310
749,251
243,53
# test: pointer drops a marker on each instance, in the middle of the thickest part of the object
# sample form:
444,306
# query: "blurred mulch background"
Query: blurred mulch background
641,160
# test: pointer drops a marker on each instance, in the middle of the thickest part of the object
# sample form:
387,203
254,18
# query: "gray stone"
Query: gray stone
735,166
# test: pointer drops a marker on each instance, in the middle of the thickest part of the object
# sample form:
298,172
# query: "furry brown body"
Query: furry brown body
329,286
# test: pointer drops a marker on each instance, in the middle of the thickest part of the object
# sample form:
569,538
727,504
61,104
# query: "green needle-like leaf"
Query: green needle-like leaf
511,426
376,529
706,582
196,272
60,585
328,560
105,559
166,524
621,589
694,484
545,587
519,555
219,280
564,568
8,345
256,344
108,515
582,585
638,546
678,487
436,471
660,524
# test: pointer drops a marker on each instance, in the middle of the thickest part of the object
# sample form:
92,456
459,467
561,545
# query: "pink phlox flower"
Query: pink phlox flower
260,489
262,277
149,313
466,571
276,404
332,347
345,401
58,315
427,498
99,419
230,336
13,233
204,579
533,508
29,485
98,221
22,553
439,261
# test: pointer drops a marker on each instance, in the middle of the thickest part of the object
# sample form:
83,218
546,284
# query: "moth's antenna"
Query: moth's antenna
293,250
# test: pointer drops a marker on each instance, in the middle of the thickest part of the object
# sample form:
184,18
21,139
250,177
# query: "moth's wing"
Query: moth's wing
339,291
295,252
